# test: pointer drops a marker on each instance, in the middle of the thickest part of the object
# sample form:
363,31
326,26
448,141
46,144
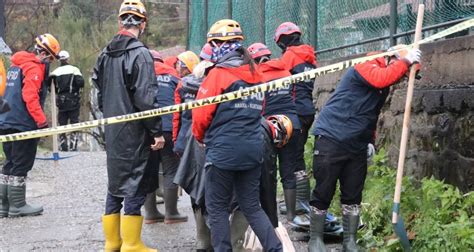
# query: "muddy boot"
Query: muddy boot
203,234
111,227
302,191
316,241
131,229
16,198
171,207
152,215
290,202
350,224
4,196
238,226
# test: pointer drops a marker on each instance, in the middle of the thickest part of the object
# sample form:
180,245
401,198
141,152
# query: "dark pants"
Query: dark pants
220,186
132,205
64,118
19,155
306,123
169,161
287,161
268,183
332,163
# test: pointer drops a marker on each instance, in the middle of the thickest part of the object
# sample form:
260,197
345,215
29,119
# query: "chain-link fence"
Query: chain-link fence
326,24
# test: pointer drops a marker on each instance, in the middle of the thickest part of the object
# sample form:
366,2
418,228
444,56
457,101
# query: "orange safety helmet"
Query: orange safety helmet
224,30
283,129
190,60
48,43
134,7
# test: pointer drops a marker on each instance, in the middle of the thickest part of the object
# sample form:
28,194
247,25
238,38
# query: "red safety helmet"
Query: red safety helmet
286,29
257,50
283,129
206,52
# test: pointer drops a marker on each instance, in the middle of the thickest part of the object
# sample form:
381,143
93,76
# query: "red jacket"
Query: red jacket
296,55
217,81
177,115
34,72
379,75
171,61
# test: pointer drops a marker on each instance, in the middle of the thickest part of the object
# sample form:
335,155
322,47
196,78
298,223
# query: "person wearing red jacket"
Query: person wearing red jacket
25,93
298,58
233,138
281,101
343,130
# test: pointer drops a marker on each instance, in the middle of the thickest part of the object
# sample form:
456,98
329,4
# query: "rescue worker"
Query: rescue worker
25,93
68,83
299,57
125,78
171,61
231,132
281,101
343,130
170,161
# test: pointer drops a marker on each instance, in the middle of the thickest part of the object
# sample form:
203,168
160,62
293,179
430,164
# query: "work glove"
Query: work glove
42,125
370,152
413,56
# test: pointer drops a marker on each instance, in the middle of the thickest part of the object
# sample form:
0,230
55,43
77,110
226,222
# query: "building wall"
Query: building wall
441,139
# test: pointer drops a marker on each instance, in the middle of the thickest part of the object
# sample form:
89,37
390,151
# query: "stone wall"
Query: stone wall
441,139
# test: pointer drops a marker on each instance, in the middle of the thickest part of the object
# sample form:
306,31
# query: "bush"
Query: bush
437,216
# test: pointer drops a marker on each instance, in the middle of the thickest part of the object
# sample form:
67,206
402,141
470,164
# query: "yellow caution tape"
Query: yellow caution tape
272,85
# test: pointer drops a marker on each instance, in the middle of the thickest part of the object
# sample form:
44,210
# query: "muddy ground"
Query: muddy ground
72,193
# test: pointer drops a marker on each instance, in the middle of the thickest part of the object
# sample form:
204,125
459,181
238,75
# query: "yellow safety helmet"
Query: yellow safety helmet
189,59
48,43
3,78
224,30
134,7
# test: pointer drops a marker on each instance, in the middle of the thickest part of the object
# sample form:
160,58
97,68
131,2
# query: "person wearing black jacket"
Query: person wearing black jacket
125,78
68,83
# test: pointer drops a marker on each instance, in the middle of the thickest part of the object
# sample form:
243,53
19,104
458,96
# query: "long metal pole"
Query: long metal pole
229,9
393,21
187,24
206,16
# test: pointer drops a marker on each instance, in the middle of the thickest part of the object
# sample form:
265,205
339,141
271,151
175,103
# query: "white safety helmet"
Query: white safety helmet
63,55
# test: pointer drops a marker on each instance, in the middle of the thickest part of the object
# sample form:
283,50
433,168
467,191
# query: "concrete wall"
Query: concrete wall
441,139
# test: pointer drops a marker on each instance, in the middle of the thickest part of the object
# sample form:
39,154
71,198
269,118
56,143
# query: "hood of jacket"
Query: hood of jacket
304,52
23,57
162,68
272,65
121,43
191,83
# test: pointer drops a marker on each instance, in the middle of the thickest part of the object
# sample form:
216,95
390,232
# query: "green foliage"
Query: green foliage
437,216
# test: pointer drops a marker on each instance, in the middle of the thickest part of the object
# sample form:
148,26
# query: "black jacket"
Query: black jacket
125,78
68,82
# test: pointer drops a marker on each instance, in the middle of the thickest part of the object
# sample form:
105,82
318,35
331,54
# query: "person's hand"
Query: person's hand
370,152
159,143
413,56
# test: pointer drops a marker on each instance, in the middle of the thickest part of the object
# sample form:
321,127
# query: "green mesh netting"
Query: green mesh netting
325,23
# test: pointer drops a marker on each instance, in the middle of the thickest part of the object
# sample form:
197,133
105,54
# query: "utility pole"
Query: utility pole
2,19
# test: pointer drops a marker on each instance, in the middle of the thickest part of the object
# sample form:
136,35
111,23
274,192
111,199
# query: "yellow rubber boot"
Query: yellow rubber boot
131,227
111,225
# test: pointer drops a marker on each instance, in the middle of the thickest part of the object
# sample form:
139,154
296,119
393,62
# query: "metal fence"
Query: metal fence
336,28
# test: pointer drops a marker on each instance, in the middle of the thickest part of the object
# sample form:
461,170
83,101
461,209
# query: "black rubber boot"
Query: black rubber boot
16,199
302,191
238,226
152,215
4,206
171,207
350,224
290,202
316,241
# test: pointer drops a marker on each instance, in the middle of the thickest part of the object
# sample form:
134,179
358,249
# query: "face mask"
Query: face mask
219,51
